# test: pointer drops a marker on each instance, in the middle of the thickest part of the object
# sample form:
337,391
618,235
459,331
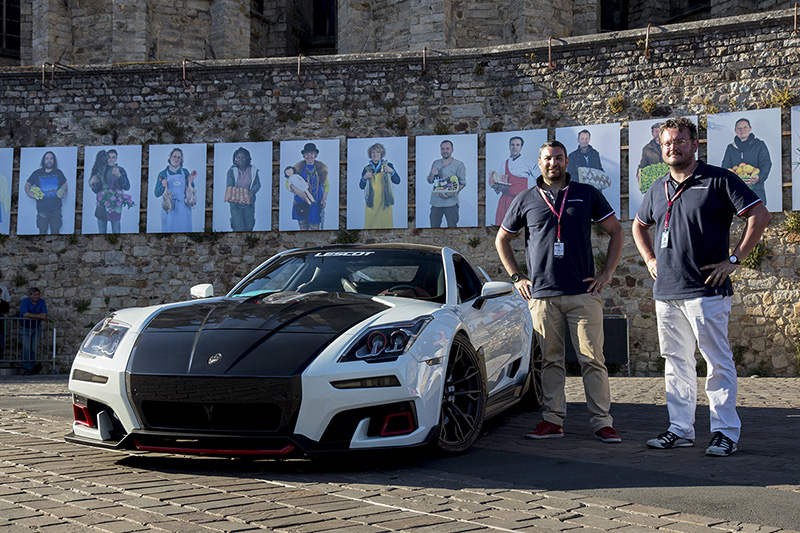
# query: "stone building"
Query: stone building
123,31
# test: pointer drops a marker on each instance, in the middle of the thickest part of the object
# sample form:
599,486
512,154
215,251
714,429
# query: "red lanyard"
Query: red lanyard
682,187
553,209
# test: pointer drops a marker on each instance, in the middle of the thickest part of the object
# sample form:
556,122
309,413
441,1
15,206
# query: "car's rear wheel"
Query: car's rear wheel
464,400
534,396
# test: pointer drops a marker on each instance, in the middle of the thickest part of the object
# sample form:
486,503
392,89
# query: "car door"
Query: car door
494,327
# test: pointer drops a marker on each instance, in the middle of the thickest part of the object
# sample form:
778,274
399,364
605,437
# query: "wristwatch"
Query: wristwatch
734,260
515,277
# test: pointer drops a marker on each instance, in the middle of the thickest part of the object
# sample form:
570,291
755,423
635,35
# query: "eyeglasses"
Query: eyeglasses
678,143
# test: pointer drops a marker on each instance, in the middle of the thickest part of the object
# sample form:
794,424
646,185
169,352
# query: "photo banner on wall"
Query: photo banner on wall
748,143
377,183
447,181
242,186
794,159
645,164
511,167
6,167
309,185
593,153
47,178
112,178
176,188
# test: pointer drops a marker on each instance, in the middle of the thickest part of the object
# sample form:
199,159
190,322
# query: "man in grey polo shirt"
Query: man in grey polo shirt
692,208
448,176
563,290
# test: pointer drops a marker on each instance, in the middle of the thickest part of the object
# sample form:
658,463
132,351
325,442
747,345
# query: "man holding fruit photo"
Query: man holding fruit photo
748,157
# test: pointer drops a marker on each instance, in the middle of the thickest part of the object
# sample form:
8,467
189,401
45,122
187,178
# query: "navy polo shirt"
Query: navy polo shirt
553,276
699,230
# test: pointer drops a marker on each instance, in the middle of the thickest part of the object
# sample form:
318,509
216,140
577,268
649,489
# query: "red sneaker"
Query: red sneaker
545,430
607,434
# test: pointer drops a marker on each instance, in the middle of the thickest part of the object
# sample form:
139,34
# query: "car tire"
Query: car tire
533,398
464,399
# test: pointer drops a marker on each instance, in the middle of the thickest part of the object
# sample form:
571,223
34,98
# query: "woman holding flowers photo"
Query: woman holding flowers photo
108,181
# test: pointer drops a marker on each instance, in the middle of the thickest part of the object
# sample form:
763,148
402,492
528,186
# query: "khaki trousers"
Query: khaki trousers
583,314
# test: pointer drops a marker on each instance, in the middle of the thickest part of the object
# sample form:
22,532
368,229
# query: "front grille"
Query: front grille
252,405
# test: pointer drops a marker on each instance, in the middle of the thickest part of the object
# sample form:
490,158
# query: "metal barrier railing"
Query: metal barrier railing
25,342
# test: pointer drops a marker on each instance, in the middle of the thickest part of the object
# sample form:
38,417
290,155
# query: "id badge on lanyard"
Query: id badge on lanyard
665,234
558,246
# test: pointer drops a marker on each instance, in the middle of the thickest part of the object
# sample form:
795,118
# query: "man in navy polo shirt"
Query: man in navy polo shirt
692,208
563,290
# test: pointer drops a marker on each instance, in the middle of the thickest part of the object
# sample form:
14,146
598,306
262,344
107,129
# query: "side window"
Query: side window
469,286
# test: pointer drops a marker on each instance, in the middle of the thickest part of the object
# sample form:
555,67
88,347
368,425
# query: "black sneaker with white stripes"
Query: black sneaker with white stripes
720,445
668,440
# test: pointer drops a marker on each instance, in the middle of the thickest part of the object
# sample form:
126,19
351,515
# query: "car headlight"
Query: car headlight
386,343
104,339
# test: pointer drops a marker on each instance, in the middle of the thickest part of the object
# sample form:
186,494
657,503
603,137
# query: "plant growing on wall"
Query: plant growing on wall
779,98
441,128
616,104
649,105
754,258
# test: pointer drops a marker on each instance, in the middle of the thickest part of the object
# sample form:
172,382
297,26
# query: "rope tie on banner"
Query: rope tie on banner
550,63
795,18
647,43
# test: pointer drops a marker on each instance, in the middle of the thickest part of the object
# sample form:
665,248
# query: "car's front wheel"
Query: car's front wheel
464,399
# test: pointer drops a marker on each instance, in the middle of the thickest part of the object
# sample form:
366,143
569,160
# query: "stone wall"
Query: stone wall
730,64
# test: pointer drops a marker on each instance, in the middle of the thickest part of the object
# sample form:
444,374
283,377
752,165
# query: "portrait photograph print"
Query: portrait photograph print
748,143
47,178
645,164
446,181
794,158
377,183
112,180
6,167
242,186
593,153
512,166
176,188
309,185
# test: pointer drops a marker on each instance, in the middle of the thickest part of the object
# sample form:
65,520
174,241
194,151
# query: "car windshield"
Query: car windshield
408,273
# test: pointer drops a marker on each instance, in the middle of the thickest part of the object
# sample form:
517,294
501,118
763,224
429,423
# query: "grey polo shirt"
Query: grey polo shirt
699,229
550,275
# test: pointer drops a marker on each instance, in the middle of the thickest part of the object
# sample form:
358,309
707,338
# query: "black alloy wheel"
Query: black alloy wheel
464,400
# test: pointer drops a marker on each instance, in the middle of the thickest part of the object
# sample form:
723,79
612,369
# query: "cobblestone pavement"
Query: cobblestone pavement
49,485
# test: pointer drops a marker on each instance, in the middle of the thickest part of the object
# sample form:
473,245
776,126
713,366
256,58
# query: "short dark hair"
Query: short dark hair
743,120
447,141
33,289
587,132
521,140
553,144
112,151
680,124
655,126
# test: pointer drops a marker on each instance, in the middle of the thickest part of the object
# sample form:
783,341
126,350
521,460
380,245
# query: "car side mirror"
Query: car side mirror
493,289
203,290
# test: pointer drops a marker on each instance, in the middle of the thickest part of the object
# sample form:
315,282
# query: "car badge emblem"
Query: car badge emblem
214,358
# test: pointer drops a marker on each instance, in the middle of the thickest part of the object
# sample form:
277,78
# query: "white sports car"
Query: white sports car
319,349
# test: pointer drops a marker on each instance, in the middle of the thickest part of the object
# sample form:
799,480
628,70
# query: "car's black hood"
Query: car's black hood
271,335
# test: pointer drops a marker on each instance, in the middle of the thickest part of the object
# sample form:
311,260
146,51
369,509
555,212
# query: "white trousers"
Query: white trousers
682,325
